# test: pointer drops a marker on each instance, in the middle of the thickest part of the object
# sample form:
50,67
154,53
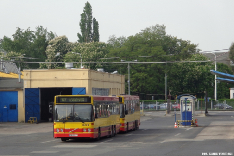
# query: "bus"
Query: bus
86,116
129,112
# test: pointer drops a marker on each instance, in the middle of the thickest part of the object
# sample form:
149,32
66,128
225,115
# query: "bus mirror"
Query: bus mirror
126,112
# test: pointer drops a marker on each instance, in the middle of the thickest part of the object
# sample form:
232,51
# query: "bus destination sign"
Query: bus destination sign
73,100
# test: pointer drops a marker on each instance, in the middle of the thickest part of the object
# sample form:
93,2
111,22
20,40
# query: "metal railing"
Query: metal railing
199,105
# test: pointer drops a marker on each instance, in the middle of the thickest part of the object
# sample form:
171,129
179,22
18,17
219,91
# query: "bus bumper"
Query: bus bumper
75,135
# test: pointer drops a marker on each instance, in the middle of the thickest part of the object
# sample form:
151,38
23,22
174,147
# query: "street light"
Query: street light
128,73
80,58
215,60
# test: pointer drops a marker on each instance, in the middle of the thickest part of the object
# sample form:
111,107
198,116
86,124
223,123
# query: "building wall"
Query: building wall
21,107
74,78
231,93
114,82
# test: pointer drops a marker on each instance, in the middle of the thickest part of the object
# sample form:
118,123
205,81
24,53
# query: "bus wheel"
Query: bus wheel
63,139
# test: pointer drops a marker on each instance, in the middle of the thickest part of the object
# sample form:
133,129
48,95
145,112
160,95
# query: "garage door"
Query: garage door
32,105
8,106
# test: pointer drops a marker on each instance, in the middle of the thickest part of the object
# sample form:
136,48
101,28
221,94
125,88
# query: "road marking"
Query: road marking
137,142
74,146
127,134
106,141
176,140
14,155
177,134
44,152
189,128
48,141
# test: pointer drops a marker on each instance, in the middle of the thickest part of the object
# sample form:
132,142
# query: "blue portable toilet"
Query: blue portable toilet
187,107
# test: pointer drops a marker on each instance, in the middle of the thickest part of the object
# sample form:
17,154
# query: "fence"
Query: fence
154,105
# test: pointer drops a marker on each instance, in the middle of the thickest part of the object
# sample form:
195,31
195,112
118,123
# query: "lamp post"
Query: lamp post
80,58
128,73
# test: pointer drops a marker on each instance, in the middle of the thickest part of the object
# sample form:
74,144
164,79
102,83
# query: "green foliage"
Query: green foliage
190,77
90,52
95,30
31,43
56,50
159,47
223,87
87,33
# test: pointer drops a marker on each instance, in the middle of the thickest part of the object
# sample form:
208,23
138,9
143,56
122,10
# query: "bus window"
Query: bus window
82,113
63,113
73,113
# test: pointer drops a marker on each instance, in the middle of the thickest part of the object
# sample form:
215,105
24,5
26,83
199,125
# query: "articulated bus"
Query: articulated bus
86,116
129,113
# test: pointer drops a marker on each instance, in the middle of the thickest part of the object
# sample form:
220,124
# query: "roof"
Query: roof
10,75
9,67
227,77
193,97
222,74
225,80
221,57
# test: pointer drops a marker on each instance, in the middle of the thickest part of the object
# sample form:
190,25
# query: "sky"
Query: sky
208,23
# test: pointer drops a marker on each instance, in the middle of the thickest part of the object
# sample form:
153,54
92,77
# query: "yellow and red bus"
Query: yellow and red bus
86,116
129,112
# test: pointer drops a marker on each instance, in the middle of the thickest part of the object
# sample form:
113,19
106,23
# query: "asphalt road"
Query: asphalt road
156,136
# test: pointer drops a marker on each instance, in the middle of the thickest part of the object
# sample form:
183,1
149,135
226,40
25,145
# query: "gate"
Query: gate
32,103
8,106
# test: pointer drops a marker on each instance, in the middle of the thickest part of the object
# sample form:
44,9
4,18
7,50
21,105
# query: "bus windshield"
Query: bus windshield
73,113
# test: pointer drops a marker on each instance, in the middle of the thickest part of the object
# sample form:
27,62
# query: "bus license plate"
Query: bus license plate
73,134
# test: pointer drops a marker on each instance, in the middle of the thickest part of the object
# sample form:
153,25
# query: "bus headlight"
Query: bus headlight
89,130
57,130
61,130
84,130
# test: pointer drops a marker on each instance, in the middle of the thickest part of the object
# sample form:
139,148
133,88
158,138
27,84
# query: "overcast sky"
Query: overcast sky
208,23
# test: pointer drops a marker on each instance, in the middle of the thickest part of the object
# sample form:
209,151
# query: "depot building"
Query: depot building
30,94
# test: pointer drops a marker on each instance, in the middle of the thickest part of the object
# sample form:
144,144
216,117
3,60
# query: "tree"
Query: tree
56,50
89,32
30,43
191,77
89,52
223,87
156,46
95,30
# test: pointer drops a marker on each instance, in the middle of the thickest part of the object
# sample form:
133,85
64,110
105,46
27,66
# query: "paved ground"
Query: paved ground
27,128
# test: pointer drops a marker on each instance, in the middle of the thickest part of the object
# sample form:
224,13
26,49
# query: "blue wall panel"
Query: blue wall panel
8,106
78,91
